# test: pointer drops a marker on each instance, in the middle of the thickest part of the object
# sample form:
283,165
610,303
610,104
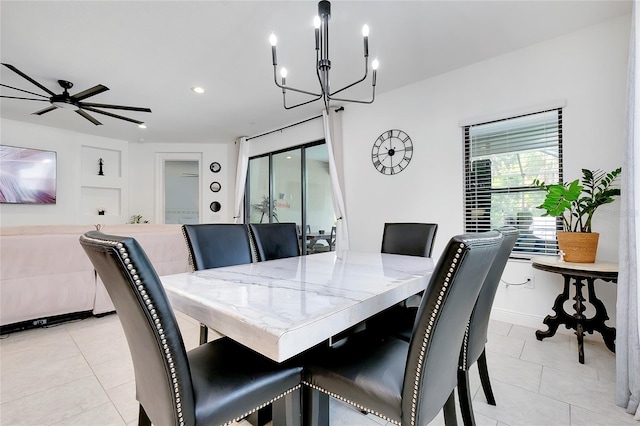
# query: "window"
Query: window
501,160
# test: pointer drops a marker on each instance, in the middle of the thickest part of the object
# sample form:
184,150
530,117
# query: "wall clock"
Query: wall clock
392,152
215,167
215,186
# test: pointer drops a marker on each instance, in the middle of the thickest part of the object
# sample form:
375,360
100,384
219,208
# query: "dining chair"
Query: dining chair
473,348
213,384
413,239
214,245
407,383
275,240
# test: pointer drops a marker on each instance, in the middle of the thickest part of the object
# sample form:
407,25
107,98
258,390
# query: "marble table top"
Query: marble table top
282,307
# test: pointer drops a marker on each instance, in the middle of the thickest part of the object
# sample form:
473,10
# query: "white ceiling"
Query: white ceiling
150,54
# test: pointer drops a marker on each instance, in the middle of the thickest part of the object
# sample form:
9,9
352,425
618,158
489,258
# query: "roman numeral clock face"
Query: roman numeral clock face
392,152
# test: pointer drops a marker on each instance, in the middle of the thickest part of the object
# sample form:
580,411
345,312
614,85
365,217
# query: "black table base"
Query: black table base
578,321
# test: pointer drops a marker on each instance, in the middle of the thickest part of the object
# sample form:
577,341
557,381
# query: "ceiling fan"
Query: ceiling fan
67,101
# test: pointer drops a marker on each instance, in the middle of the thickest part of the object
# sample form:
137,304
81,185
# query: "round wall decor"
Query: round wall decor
392,151
215,167
215,206
215,186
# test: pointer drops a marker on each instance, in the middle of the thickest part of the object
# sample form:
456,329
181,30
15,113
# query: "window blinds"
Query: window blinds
502,158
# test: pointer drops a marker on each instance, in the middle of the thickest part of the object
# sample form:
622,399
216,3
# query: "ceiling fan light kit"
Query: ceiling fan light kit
74,102
323,64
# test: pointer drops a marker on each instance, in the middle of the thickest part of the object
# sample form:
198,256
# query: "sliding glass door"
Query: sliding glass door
294,186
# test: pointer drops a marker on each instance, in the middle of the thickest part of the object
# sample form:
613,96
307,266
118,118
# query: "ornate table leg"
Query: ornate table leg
597,322
579,315
561,316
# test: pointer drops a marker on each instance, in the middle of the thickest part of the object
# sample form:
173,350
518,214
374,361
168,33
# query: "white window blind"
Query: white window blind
502,159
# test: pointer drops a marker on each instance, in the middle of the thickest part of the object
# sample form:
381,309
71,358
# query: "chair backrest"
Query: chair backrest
441,323
162,375
275,240
479,322
413,239
213,245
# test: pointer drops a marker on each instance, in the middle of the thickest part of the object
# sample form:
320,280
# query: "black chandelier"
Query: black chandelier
323,64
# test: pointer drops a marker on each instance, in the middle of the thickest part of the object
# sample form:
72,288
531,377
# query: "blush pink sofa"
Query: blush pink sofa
45,273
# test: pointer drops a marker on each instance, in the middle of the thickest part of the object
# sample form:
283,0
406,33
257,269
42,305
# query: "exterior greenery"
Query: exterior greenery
575,202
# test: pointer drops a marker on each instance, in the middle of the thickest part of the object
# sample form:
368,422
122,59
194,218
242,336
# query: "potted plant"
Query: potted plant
264,207
575,203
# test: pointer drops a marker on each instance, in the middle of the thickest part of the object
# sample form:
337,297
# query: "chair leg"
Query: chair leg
484,378
288,410
204,334
315,406
143,419
464,397
449,410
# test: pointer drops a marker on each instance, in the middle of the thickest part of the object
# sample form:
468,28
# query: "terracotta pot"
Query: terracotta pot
578,247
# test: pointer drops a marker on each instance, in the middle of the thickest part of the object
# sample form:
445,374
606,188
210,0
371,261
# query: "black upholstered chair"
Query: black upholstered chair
212,384
275,240
473,349
214,245
413,239
407,383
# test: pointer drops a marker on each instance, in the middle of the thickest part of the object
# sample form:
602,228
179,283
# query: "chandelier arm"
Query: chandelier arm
284,102
366,73
373,98
275,80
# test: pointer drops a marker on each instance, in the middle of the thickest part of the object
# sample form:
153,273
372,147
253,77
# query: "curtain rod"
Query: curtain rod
290,125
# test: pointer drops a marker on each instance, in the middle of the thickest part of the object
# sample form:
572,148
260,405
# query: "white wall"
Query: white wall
145,182
73,171
586,68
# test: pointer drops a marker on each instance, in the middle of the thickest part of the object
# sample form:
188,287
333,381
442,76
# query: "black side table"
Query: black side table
577,273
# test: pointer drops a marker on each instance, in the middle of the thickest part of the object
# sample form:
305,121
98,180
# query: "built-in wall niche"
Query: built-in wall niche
106,199
111,162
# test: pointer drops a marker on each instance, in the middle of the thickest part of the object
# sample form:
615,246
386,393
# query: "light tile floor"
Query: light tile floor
80,373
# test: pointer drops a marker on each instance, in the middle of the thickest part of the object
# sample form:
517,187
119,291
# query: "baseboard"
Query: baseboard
517,318
43,322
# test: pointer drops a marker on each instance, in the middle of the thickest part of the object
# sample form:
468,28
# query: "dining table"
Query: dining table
281,308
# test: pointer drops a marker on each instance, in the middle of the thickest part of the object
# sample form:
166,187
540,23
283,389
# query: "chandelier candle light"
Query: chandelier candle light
323,64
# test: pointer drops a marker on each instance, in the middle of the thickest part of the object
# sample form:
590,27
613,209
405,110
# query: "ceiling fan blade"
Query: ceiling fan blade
26,99
25,91
42,111
88,117
112,115
128,108
23,75
90,92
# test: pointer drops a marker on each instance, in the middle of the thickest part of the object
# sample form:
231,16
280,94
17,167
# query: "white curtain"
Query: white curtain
241,178
333,137
627,315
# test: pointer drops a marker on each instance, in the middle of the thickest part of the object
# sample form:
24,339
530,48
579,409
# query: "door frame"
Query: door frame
161,159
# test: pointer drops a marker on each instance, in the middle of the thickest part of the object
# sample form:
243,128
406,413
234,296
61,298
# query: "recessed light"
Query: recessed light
142,126
198,89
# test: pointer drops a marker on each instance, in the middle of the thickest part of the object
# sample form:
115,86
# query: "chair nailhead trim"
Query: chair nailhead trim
237,419
355,404
465,344
427,333
122,252
191,262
